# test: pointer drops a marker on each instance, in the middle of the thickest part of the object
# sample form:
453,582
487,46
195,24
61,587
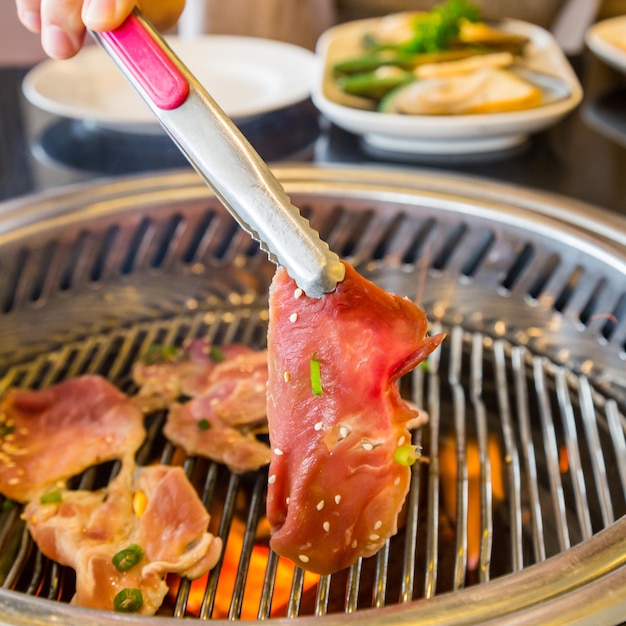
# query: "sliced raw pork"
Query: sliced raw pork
221,422
166,374
341,452
152,513
53,434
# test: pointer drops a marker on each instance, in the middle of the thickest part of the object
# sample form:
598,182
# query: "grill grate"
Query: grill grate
523,452
524,455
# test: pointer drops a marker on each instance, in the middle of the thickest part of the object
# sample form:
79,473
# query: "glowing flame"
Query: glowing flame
253,589
449,472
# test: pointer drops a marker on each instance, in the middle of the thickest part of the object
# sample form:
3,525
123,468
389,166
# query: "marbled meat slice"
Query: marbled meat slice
53,434
341,449
240,452
166,374
155,509
237,390
220,423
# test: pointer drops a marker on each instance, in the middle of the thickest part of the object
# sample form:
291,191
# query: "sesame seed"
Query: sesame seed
304,558
272,479
318,426
353,544
326,526
287,500
377,525
298,293
396,482
374,537
401,440
368,446
343,432
320,505
278,452
287,377
13,481
293,317
337,499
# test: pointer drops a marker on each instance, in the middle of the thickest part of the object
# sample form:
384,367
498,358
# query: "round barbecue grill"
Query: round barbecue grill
516,512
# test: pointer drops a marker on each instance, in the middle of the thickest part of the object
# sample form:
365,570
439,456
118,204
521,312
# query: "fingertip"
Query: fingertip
58,44
30,19
102,15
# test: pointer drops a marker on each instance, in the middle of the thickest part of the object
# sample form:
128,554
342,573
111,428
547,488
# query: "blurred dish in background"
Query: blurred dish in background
605,114
247,76
607,40
539,62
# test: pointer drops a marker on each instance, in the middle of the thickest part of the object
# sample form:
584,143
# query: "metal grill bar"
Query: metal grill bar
407,584
512,462
575,464
551,454
255,512
458,397
433,475
616,429
486,487
597,458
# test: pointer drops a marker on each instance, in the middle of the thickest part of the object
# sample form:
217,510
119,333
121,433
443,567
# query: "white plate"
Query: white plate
607,39
247,76
451,134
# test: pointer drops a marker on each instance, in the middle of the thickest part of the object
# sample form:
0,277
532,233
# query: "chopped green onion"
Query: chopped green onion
127,558
6,429
161,354
8,505
52,497
216,354
128,601
204,424
316,377
424,366
406,455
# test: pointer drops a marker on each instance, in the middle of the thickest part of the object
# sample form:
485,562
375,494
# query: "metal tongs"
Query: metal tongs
221,155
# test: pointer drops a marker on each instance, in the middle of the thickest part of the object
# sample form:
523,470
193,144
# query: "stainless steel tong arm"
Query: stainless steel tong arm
222,155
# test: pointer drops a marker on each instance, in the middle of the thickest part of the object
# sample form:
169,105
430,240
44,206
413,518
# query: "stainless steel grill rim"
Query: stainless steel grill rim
553,272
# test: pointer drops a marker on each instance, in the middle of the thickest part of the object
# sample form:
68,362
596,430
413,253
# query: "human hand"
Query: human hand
62,23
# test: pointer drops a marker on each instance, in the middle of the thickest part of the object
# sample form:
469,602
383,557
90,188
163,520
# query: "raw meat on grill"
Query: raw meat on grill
341,449
154,510
220,423
166,374
196,427
53,434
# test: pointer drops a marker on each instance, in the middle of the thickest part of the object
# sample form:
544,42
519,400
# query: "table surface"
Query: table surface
582,157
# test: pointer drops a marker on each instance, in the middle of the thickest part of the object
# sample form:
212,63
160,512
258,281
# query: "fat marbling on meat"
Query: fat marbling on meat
85,530
338,476
220,422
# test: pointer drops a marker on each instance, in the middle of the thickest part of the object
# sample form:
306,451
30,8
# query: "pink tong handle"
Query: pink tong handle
145,59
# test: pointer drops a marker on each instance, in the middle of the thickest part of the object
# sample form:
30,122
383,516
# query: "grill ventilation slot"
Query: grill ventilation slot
520,265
